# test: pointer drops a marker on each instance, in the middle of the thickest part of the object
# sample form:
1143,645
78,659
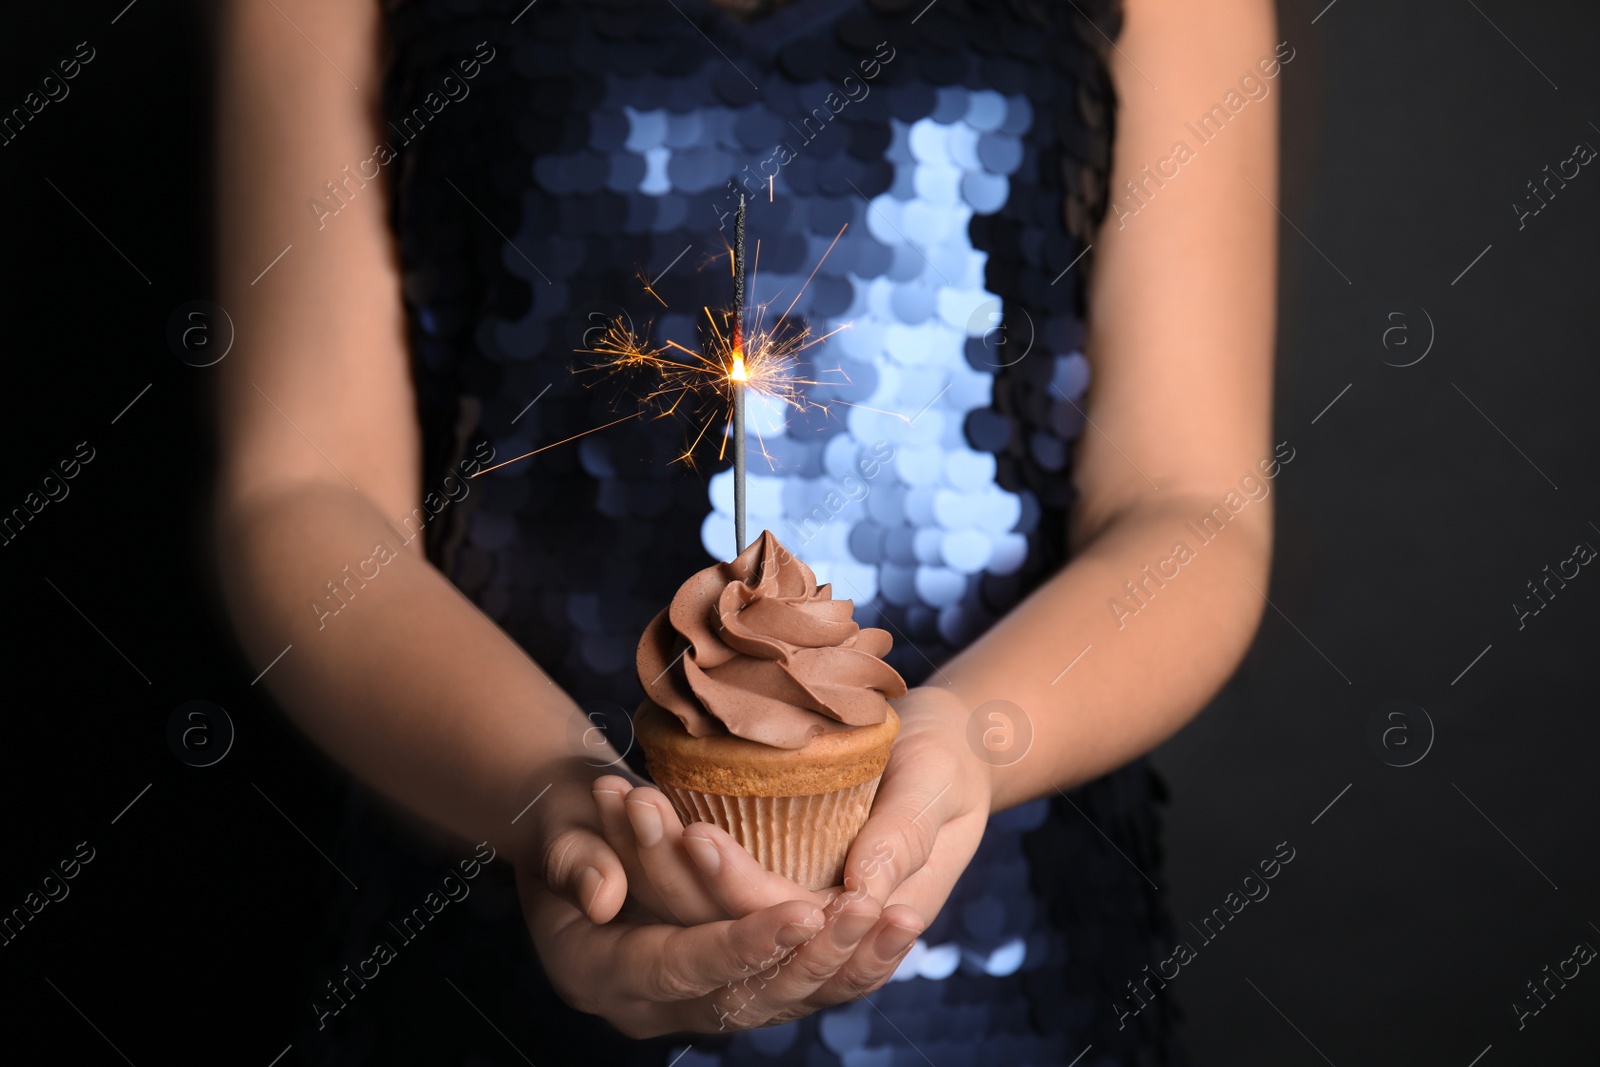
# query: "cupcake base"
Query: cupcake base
805,839
797,811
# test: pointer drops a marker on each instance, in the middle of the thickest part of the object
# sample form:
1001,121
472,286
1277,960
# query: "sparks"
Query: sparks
671,379
553,444
762,357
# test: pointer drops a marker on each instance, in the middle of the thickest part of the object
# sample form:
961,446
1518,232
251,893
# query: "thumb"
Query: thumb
565,849
577,865
897,838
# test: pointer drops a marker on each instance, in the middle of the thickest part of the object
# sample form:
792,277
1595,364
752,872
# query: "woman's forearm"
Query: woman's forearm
389,669
1119,649
1173,529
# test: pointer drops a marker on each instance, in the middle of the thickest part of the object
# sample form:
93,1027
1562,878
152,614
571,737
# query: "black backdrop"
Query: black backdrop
1427,758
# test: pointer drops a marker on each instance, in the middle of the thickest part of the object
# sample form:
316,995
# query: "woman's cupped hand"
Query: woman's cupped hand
660,928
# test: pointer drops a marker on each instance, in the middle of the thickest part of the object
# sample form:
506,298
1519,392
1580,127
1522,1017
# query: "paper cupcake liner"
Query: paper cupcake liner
805,839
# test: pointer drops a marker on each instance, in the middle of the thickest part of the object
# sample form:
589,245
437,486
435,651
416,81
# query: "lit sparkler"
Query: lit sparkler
740,354
737,377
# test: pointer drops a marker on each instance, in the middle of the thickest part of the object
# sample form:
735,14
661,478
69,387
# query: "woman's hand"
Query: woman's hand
926,822
931,807
608,844
689,876
789,953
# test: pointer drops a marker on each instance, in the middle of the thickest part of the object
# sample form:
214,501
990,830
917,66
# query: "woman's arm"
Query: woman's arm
1181,325
1180,341
408,685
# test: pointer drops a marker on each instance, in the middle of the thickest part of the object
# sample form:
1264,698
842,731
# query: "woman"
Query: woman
467,189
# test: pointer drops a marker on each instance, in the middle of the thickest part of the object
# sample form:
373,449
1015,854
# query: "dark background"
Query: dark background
1414,512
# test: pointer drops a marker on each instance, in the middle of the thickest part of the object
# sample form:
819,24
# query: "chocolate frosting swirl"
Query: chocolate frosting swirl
757,649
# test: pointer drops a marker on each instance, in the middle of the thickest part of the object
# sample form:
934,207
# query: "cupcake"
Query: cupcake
767,710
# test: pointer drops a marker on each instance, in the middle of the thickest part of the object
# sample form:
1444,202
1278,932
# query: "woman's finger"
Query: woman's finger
691,875
658,835
680,963
653,978
733,877
875,958
781,992
753,946
895,841
578,866
566,851
643,829
775,964
610,792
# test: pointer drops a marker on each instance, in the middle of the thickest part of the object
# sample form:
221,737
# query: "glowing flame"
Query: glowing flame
765,360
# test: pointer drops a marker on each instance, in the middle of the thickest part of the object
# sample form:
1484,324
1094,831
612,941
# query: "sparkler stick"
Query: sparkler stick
737,376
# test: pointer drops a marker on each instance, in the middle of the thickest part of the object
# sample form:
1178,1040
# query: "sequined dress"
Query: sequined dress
564,165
